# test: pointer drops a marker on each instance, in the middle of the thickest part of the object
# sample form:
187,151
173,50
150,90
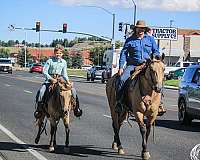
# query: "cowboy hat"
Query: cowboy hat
140,24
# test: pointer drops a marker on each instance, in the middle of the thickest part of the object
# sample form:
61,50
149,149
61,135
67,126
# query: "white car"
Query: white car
86,67
95,73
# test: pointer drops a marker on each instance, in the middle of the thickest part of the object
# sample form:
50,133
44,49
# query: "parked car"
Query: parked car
189,95
176,74
106,74
95,73
5,65
37,67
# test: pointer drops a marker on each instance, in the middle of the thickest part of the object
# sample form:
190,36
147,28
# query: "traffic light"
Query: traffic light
64,27
37,26
120,26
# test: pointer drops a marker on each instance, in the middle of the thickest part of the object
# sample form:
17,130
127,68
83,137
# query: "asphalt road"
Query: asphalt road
92,135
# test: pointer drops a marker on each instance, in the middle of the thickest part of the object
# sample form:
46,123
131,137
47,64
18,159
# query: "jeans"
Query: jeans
122,79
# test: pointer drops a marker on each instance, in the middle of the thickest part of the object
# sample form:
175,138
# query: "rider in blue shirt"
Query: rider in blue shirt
54,66
136,51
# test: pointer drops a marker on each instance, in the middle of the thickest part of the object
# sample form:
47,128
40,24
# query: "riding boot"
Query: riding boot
77,110
161,109
39,110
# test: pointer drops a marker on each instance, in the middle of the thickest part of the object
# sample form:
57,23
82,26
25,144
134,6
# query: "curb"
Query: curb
171,87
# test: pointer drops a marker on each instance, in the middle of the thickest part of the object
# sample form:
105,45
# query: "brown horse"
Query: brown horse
142,96
59,106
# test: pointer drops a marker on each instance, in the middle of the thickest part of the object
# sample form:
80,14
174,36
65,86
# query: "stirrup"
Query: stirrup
37,114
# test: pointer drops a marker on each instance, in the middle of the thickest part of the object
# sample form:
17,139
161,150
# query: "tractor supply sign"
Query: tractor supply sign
165,33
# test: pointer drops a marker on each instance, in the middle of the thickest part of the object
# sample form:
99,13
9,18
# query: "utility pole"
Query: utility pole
170,45
134,14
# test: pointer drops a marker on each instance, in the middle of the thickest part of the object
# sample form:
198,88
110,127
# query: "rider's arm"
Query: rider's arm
155,49
122,58
46,70
64,71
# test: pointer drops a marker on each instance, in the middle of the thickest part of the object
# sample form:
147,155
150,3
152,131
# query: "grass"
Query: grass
83,73
76,72
172,82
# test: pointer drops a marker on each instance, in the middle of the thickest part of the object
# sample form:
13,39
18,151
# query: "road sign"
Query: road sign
165,33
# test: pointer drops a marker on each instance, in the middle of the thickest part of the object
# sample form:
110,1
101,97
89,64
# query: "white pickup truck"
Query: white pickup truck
179,64
5,65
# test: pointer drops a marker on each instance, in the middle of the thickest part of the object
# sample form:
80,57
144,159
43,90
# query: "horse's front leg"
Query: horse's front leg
67,130
143,130
40,124
53,125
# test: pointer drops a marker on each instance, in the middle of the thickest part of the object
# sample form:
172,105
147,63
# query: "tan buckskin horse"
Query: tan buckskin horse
59,106
143,98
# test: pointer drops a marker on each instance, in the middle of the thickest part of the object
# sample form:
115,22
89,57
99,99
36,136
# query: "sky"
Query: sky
91,16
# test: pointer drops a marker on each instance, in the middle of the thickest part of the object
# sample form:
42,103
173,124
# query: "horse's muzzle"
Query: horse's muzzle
158,88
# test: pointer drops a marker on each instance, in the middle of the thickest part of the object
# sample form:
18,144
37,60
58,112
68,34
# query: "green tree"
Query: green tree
96,55
118,44
4,52
77,61
21,57
67,58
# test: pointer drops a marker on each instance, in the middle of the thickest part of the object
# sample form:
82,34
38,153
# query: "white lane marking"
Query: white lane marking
7,85
107,116
175,105
24,145
27,91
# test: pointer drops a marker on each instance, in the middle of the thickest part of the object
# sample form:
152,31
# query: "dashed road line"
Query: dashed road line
24,145
27,91
7,85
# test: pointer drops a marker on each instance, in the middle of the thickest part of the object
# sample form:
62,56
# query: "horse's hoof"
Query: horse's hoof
51,149
37,140
114,146
146,155
66,149
121,150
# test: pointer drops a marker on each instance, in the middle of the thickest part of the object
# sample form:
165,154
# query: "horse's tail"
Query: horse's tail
111,95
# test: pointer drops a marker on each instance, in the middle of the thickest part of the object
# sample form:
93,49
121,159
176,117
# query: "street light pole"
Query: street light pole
25,50
113,24
170,44
134,14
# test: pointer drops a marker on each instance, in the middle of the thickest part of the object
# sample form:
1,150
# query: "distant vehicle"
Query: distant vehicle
37,67
176,74
95,73
86,67
189,95
179,64
5,65
106,74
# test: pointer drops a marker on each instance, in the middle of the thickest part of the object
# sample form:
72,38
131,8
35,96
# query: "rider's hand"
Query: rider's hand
120,71
53,80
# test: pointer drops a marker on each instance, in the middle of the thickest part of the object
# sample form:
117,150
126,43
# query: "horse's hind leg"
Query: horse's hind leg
40,124
116,145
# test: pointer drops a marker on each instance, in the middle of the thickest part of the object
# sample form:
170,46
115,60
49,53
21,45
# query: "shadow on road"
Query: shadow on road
76,151
174,124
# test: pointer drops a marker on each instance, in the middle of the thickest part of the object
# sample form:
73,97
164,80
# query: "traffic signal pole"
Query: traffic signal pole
69,32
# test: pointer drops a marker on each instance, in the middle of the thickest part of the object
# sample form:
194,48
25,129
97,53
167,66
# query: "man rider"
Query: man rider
54,66
136,51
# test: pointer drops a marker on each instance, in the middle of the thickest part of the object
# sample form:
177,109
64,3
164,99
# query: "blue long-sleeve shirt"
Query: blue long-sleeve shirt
137,51
55,66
